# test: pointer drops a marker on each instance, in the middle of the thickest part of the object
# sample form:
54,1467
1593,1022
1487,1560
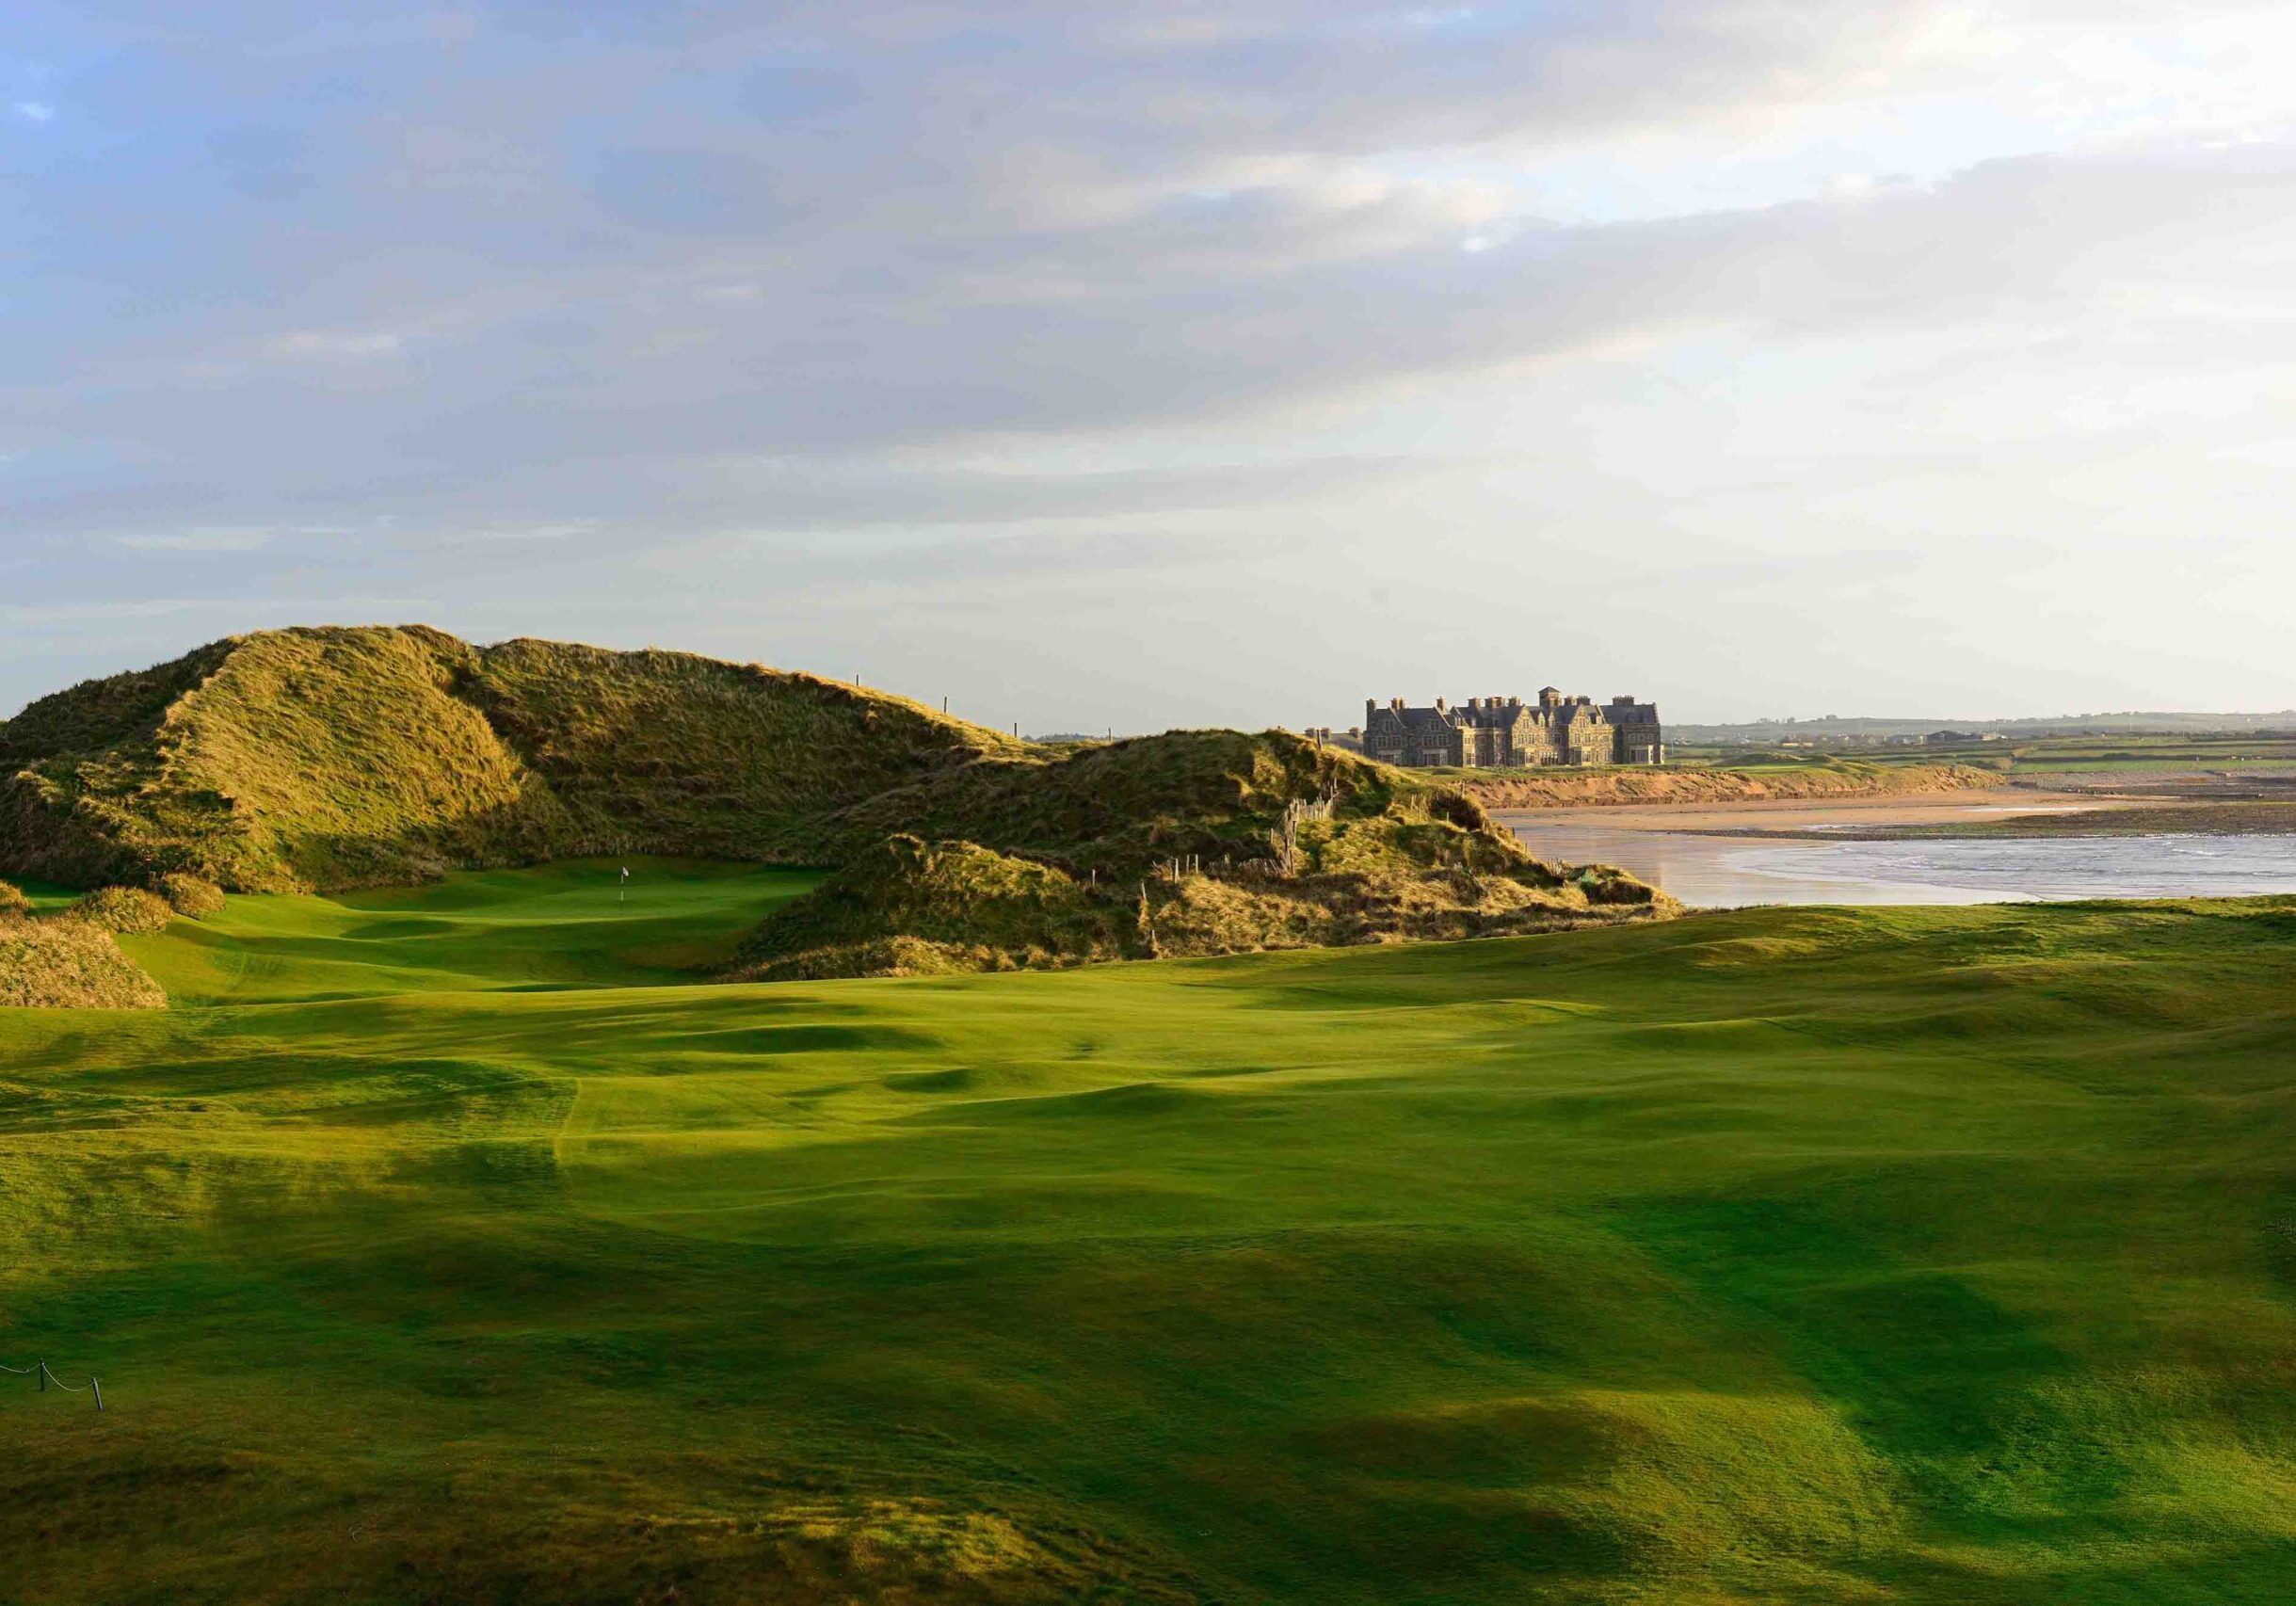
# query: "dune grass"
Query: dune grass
437,1245
1194,843
342,757
57,963
125,909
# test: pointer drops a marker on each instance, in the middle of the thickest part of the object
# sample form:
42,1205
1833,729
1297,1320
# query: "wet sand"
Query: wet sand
1807,813
1721,856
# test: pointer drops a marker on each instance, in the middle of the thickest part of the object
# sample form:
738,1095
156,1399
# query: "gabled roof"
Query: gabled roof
1489,717
1418,719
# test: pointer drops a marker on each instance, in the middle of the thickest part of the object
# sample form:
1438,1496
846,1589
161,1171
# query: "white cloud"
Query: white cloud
327,344
208,540
35,111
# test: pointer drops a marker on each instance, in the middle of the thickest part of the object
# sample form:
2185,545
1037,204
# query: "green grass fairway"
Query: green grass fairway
442,1245
571,925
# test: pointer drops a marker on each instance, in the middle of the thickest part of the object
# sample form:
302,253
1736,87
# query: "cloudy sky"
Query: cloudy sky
1132,364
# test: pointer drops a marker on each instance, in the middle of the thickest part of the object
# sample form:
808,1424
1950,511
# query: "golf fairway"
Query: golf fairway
458,1245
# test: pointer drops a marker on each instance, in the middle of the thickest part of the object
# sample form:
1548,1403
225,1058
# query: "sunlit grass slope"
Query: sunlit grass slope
1809,1256
573,924
341,757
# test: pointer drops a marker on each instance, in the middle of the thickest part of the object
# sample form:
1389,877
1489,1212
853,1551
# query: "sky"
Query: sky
1138,366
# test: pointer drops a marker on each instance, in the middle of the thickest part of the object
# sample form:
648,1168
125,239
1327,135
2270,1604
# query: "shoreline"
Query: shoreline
1992,846
2135,817
1798,817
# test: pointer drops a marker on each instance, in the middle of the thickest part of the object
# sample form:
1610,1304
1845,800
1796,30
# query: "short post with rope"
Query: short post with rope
93,1386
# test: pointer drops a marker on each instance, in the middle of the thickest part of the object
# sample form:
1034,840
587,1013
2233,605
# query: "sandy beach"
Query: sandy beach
1803,813
1803,851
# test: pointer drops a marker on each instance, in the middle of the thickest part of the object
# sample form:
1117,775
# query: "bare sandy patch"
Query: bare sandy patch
1801,814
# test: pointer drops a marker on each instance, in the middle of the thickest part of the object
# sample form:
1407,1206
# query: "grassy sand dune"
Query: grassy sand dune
60,951
1162,847
60,963
339,758
433,1248
332,758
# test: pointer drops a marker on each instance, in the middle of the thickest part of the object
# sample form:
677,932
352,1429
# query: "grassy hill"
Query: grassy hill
1193,843
666,753
335,758
63,963
433,1250
59,951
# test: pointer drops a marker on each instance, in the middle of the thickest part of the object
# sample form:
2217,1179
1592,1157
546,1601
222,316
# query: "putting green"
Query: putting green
451,1244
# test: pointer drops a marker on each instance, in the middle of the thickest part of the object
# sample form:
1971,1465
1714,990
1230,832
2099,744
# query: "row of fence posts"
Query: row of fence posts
91,1387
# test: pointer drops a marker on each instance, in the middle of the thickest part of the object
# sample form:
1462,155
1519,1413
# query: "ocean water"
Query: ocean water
1728,873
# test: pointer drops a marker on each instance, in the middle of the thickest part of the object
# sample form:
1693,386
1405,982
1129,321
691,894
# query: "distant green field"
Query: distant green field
443,1246
2042,755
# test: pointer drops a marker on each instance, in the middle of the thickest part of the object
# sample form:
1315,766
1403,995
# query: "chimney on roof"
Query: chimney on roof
1441,707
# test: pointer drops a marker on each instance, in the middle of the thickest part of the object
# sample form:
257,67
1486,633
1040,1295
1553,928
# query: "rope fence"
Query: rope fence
46,1377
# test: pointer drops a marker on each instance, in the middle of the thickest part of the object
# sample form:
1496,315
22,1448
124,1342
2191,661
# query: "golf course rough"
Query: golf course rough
64,962
451,1244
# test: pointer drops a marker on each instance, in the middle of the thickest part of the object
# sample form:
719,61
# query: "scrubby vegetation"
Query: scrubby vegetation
191,896
59,963
124,909
1125,807
336,757
1189,843
13,902
666,753
265,763
1927,1257
908,908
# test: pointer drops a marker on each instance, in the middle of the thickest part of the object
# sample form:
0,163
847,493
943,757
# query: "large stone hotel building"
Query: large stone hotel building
1489,732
